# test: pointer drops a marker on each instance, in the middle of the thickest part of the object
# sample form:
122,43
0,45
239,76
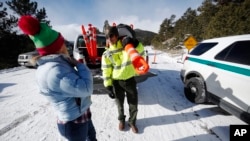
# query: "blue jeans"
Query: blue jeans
78,131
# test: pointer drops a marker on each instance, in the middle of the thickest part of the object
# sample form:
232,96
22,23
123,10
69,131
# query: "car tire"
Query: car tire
195,90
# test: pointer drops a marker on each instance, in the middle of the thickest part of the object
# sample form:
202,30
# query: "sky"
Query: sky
67,16
164,114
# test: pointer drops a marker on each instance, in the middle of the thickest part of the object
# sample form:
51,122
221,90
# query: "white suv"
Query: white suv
218,71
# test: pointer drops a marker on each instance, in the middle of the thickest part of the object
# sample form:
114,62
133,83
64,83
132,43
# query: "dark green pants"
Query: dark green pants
126,88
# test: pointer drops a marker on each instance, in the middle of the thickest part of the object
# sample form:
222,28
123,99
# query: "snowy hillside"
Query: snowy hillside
164,113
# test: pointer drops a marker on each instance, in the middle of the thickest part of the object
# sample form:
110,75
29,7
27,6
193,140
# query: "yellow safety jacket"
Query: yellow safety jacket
116,64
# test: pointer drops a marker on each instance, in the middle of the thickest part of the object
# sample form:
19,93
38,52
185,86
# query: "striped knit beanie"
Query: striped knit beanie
46,40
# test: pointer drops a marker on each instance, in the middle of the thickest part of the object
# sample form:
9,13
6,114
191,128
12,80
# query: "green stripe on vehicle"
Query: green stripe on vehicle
226,67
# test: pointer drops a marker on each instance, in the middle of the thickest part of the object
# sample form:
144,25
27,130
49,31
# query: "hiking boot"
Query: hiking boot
121,126
134,128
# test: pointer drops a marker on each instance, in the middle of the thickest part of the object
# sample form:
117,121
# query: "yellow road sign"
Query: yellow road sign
190,42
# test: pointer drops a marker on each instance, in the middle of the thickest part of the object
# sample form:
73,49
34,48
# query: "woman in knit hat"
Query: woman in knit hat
66,83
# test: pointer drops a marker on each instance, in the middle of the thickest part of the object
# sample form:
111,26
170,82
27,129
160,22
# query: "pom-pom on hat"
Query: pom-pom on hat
46,40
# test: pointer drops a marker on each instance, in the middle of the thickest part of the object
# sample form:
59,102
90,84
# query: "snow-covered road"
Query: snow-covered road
164,113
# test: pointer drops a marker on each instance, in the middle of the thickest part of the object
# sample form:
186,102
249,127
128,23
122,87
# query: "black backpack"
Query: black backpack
125,30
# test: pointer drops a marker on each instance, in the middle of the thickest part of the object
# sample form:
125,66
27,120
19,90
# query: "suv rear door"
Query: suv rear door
231,75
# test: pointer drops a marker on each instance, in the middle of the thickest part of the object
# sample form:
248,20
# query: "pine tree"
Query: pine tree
7,22
27,7
11,44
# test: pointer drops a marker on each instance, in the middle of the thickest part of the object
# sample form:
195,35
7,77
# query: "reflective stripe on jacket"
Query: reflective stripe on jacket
116,64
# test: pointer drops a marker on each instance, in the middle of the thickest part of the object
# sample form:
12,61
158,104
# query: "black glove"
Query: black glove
128,40
111,92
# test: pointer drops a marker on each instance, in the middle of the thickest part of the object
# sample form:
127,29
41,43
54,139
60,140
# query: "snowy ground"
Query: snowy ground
164,113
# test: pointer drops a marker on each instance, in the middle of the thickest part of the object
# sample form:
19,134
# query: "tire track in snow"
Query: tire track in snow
17,122
14,124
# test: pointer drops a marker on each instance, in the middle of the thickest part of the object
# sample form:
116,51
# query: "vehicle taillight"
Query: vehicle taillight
186,58
82,59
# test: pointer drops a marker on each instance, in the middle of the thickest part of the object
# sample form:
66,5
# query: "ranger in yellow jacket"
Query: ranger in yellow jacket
118,74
